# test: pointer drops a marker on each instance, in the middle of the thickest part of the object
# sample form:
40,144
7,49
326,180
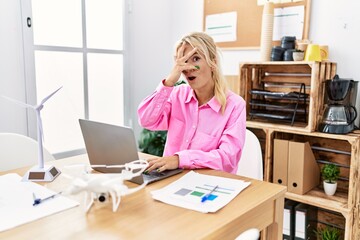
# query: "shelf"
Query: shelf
280,83
295,96
350,137
285,107
269,115
318,198
263,124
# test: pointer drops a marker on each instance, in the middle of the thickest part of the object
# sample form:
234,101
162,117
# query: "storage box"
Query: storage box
281,156
303,170
295,166
289,95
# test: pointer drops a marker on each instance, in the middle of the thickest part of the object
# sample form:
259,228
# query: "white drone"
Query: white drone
99,186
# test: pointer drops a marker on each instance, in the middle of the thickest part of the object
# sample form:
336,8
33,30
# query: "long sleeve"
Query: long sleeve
153,111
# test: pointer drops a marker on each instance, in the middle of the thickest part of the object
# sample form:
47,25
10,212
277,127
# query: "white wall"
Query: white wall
150,47
154,28
12,82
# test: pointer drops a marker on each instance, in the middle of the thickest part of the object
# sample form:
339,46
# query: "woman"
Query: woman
205,121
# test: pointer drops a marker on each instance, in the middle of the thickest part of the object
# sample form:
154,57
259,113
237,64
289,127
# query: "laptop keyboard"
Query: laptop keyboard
154,174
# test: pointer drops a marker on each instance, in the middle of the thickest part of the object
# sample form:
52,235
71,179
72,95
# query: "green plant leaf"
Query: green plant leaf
152,142
330,172
328,233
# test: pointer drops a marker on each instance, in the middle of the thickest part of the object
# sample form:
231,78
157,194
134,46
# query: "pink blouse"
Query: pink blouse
201,136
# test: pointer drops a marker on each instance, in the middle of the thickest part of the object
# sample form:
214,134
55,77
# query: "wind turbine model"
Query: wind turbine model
40,173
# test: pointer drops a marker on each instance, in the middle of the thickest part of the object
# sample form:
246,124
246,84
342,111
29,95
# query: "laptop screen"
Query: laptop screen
108,144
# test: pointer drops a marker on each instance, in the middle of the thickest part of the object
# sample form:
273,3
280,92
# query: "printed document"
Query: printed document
16,202
189,191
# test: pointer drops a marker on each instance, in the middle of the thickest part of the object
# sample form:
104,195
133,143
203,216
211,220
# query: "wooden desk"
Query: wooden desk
141,217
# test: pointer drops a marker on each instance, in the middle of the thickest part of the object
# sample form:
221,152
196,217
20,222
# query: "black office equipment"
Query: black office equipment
289,220
305,222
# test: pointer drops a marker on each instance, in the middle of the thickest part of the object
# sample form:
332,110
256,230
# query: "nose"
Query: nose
189,70
186,72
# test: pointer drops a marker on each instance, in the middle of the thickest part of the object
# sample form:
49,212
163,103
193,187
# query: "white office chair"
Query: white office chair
250,234
251,162
251,165
19,151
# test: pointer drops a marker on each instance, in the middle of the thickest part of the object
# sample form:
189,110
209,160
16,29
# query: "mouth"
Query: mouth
191,78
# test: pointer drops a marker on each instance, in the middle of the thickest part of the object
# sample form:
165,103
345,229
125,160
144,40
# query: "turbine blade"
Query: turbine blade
46,98
19,103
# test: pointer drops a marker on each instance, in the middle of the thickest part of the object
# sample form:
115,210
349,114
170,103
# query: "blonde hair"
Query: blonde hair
206,47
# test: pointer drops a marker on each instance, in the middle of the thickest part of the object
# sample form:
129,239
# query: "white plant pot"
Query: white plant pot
330,188
298,56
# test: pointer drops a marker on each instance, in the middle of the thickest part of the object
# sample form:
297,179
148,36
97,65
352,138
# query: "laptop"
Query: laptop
108,144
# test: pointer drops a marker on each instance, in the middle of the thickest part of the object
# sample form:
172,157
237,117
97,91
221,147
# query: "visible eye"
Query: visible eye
196,58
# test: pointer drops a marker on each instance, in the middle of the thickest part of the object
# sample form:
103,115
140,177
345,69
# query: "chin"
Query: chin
192,84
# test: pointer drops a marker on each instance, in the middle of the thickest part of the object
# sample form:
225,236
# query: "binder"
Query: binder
305,222
280,172
289,220
303,170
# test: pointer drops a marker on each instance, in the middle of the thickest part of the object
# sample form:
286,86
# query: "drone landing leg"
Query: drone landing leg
89,200
116,199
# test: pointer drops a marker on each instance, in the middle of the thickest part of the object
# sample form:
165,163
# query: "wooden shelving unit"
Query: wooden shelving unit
280,77
346,201
341,149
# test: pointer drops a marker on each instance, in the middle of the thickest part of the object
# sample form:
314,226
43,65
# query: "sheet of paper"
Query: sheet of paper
16,202
288,21
188,191
222,27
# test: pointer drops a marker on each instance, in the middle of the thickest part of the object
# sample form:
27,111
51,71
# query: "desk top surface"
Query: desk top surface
140,216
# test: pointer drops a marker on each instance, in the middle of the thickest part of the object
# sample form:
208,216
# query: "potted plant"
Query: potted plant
298,55
152,142
328,233
330,174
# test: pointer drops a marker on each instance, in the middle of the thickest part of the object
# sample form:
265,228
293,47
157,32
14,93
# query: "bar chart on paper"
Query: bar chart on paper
196,194
200,192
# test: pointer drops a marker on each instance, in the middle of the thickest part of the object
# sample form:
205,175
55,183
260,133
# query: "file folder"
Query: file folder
289,220
281,152
305,222
303,170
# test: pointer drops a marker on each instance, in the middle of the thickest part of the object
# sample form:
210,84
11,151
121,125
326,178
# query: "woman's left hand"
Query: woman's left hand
163,163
